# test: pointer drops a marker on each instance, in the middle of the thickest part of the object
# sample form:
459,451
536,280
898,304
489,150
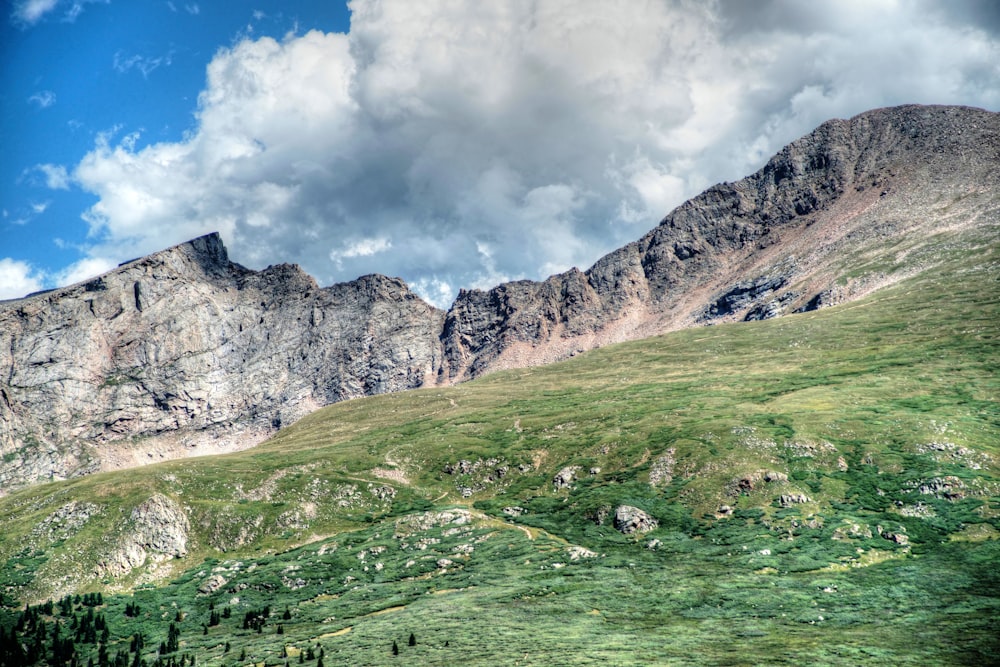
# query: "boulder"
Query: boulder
629,520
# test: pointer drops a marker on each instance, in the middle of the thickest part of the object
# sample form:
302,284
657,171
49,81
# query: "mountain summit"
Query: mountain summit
186,353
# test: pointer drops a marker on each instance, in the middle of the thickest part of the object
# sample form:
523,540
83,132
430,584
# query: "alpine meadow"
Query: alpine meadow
768,432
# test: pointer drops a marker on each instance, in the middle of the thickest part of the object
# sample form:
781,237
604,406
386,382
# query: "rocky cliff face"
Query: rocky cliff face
185,353
850,207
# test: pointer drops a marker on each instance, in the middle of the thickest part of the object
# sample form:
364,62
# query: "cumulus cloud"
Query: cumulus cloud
457,144
17,279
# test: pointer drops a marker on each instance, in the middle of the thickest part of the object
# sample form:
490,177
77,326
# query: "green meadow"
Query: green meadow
825,489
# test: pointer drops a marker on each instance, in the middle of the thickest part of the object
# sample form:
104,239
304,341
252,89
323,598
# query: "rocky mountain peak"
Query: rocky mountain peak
184,352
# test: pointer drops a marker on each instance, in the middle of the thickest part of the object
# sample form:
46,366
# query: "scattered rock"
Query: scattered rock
65,521
629,519
949,488
479,475
565,477
212,584
578,552
414,523
514,511
793,498
852,531
383,493
899,536
601,514
661,472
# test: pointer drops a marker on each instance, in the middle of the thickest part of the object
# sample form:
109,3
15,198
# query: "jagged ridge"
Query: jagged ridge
184,352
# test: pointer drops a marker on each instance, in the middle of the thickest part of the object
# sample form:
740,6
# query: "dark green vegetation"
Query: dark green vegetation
825,487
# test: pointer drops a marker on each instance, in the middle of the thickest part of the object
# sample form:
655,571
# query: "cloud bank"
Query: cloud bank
459,144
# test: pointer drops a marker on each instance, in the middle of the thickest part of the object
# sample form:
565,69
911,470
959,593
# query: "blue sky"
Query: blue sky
454,144
75,70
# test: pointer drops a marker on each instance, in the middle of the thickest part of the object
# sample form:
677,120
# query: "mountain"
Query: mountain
818,488
186,353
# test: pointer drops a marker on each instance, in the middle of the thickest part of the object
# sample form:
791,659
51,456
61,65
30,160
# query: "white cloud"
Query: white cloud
84,269
43,99
503,140
17,279
193,9
360,248
31,11
56,176
27,13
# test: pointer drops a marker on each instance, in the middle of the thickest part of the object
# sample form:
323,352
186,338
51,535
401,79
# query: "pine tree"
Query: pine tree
412,641
395,649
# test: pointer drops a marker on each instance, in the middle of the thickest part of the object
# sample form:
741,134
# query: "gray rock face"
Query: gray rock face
158,529
630,520
773,243
184,352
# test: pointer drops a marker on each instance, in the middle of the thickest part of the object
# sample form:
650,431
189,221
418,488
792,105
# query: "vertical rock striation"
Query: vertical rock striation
184,353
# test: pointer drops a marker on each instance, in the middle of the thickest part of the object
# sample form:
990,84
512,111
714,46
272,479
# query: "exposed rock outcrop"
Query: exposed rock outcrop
157,529
630,520
185,353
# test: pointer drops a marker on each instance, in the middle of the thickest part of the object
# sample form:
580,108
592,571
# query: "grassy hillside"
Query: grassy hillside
825,487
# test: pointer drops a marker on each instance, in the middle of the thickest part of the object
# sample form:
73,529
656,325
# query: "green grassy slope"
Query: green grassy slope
826,489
